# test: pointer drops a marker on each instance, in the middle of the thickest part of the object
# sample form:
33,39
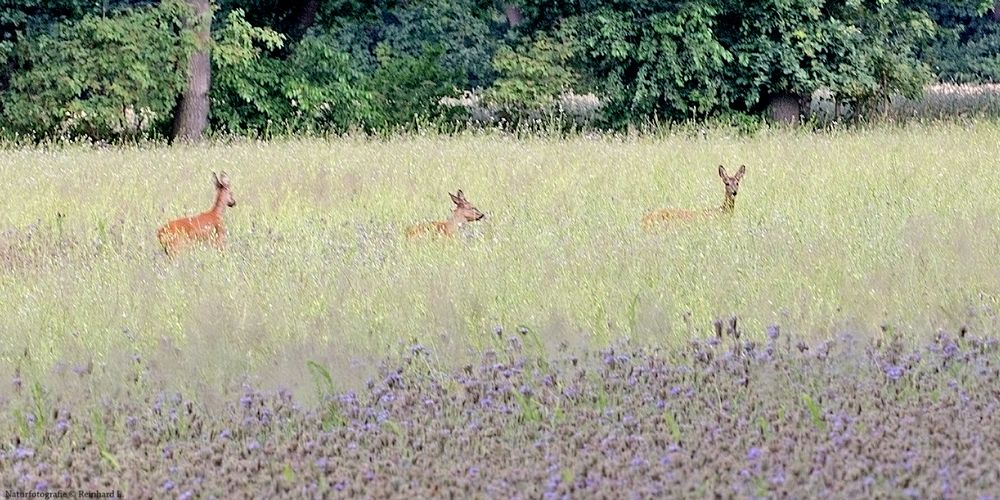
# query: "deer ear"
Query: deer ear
722,171
224,179
741,171
460,194
215,178
456,199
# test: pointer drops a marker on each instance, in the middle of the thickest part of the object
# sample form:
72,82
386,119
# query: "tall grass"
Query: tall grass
844,230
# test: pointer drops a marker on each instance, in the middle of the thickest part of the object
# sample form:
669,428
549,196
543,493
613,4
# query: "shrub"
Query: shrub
100,77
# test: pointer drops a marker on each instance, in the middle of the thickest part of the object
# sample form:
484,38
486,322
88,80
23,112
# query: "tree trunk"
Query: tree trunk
305,17
191,118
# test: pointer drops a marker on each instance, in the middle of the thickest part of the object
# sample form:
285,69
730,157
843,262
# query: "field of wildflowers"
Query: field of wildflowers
553,348
721,417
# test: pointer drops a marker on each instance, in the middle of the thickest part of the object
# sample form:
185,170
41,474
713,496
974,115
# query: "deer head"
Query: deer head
222,186
732,183
463,209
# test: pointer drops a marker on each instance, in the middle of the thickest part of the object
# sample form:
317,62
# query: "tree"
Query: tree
100,77
649,60
191,118
966,47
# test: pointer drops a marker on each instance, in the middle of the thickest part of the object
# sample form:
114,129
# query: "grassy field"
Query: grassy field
832,232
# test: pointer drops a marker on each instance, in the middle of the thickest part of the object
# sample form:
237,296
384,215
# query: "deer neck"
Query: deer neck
728,204
454,222
220,204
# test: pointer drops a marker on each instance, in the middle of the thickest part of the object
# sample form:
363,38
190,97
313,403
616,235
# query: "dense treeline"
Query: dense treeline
180,68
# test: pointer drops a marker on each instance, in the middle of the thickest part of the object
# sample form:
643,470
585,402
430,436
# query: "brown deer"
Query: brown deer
462,213
205,227
732,184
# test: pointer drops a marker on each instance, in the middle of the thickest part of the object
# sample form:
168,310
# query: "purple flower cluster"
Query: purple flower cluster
723,416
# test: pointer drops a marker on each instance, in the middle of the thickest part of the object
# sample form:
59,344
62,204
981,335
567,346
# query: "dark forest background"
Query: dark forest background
181,69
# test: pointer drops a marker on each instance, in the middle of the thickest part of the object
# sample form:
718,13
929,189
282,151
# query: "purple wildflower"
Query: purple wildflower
950,349
348,398
777,478
893,372
772,332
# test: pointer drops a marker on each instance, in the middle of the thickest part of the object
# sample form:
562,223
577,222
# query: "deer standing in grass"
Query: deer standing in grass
732,184
462,213
205,227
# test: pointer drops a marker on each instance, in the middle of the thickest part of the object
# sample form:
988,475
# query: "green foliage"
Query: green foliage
113,69
815,411
667,63
462,29
861,52
789,47
325,394
892,32
966,47
407,87
672,426
26,16
237,42
126,71
315,88
972,60
533,74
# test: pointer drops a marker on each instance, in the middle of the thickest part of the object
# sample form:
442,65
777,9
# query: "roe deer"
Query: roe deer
732,184
463,212
204,227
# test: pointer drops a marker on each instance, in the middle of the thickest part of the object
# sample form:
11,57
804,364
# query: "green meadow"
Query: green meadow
888,229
